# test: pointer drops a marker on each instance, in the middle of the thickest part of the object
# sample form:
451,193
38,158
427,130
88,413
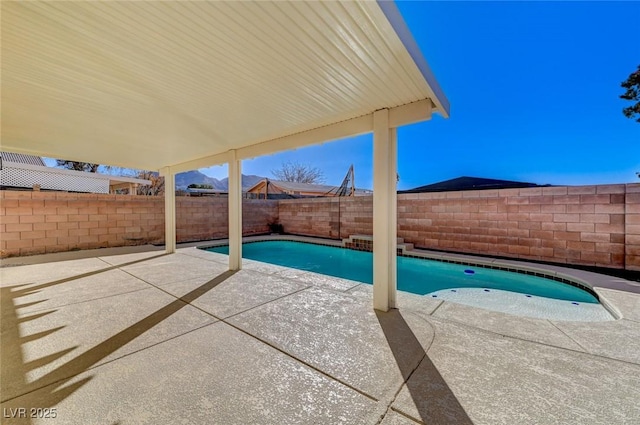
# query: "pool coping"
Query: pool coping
586,280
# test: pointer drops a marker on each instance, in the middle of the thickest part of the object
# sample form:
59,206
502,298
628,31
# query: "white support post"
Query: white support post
169,209
393,217
235,211
384,212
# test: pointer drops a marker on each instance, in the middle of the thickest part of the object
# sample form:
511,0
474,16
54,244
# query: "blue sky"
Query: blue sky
534,90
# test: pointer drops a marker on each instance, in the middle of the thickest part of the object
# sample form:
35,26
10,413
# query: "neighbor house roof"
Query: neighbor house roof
180,84
22,158
298,188
192,191
27,173
469,183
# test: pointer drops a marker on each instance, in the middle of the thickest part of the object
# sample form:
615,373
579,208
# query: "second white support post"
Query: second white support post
235,211
384,212
169,209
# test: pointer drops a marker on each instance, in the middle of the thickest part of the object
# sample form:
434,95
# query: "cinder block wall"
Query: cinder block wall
45,222
632,227
205,218
579,225
311,216
356,216
583,225
201,218
327,217
587,225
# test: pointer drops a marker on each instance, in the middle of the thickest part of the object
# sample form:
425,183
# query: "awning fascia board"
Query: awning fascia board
410,113
207,161
390,10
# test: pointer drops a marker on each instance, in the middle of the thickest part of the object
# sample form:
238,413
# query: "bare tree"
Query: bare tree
157,183
293,171
78,166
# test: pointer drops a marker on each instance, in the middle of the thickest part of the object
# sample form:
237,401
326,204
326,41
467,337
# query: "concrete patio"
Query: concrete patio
149,337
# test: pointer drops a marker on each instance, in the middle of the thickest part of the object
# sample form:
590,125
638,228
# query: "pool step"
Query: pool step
365,243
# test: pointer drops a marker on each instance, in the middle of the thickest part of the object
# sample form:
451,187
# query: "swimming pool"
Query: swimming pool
419,276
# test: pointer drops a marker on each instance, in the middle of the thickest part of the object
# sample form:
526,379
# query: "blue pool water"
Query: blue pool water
415,275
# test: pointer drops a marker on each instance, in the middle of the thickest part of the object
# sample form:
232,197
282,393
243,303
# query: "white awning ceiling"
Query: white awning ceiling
156,84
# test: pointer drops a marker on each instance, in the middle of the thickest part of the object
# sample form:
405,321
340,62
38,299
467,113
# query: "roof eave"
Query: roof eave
392,13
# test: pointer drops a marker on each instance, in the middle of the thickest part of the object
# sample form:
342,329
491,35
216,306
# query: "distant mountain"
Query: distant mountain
247,181
196,177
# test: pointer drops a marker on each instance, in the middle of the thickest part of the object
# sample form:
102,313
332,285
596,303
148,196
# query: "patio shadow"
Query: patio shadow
40,393
11,356
434,400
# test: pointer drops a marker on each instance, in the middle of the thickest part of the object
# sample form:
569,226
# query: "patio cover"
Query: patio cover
175,86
